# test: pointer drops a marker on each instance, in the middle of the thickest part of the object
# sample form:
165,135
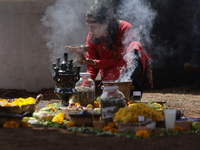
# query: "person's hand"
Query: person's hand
88,62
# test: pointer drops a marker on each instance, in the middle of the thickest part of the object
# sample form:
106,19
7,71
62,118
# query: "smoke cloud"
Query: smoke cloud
165,28
66,25
141,15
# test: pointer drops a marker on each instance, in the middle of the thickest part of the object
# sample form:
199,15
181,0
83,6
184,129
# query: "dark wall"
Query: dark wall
174,30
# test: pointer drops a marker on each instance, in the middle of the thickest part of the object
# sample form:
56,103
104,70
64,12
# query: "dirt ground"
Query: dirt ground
48,138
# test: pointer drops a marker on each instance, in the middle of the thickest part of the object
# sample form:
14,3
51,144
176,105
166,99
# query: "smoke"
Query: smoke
141,15
125,73
66,25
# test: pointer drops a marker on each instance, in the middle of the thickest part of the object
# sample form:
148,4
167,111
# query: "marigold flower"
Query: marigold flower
7,124
25,124
24,101
130,102
177,128
3,100
8,104
59,118
96,104
107,128
130,114
70,124
111,124
114,130
49,105
53,109
11,124
78,104
142,133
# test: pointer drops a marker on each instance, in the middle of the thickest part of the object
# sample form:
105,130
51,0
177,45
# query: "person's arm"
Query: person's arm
91,59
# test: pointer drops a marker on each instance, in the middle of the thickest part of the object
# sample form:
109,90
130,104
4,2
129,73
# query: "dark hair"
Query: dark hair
102,14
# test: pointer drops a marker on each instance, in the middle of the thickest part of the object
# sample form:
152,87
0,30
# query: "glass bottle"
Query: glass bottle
111,101
85,90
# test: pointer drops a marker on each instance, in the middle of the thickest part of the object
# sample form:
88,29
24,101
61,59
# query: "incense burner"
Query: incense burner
65,74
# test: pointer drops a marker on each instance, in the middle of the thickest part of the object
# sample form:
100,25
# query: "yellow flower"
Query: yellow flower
3,100
24,101
53,109
131,105
70,124
49,105
142,133
59,118
11,124
157,105
78,104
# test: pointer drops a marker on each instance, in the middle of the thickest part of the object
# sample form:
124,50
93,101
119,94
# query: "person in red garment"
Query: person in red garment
113,48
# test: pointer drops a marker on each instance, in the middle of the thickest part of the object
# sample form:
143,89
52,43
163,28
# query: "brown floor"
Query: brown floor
48,138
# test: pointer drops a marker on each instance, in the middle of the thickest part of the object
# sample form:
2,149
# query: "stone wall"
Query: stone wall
24,56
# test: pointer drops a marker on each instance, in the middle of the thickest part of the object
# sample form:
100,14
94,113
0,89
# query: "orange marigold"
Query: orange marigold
11,124
53,109
96,104
130,102
25,124
70,124
8,105
142,133
114,130
111,124
177,128
107,128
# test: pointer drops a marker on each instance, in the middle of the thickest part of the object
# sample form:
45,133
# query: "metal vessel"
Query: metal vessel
65,74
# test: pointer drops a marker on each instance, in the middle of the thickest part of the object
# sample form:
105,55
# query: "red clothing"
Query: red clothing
111,62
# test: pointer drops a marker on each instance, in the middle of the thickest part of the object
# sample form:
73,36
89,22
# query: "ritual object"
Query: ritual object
65,74
111,101
125,87
78,49
85,90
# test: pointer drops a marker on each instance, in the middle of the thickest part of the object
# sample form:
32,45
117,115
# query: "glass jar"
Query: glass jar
111,101
85,90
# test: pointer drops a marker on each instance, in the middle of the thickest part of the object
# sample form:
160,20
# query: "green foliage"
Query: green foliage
101,132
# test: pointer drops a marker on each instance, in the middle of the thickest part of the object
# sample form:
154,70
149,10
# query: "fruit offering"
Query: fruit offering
196,125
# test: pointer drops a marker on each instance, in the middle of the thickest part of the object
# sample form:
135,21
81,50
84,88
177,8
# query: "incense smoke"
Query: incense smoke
66,23
141,15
